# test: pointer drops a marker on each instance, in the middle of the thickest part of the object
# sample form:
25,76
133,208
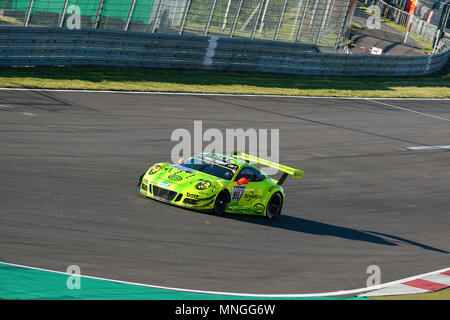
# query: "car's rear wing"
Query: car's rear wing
295,173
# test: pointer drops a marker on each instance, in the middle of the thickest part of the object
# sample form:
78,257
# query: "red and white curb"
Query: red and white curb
429,283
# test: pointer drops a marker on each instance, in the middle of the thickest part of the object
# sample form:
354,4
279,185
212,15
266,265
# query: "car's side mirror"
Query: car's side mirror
242,181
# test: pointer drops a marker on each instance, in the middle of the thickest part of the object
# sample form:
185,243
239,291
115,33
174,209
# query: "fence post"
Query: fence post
255,25
313,15
344,21
63,13
283,8
294,24
147,26
28,15
225,18
130,13
183,20
441,25
325,12
233,27
213,5
97,15
301,21
409,27
261,26
156,16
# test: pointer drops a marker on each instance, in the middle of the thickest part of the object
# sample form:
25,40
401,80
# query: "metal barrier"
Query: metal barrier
47,46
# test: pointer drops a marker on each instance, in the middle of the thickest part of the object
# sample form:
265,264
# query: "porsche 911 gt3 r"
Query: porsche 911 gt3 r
218,183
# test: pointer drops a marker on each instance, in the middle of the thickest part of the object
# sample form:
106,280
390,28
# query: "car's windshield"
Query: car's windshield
209,168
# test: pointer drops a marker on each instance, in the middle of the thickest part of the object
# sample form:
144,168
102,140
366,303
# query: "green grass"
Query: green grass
356,25
141,79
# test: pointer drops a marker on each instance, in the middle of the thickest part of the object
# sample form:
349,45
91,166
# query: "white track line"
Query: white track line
29,114
447,147
409,110
218,94
308,295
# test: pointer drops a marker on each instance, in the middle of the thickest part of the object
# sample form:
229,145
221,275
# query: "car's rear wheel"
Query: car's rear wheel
221,202
274,206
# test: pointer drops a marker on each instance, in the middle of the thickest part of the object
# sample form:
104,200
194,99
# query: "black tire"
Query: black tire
221,202
274,206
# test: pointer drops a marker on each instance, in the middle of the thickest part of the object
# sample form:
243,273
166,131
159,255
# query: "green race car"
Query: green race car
218,183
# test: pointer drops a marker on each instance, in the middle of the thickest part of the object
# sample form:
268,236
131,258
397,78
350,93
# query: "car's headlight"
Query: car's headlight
203,185
155,169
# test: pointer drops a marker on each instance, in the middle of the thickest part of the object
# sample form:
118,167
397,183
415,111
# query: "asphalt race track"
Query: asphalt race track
69,163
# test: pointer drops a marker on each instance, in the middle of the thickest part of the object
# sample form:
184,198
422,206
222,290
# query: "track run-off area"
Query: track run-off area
375,192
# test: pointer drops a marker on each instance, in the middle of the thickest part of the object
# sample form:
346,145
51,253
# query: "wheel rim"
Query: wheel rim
274,206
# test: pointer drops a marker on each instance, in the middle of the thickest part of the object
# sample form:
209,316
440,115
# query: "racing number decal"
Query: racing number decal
237,193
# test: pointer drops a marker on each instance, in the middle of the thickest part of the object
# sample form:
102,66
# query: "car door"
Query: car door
248,197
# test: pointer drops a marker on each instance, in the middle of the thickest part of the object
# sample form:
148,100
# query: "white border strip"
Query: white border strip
447,147
307,295
410,110
216,94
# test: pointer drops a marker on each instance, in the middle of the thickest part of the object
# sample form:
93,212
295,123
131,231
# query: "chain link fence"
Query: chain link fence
325,23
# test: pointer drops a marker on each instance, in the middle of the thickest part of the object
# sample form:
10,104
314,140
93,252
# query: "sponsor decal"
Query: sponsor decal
175,177
181,168
237,209
164,184
237,193
232,166
192,196
259,208
251,196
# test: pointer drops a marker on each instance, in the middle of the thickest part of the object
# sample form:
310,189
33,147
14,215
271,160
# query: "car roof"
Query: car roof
224,158
231,160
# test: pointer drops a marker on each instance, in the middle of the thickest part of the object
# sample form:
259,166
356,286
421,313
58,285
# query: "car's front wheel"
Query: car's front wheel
221,202
274,206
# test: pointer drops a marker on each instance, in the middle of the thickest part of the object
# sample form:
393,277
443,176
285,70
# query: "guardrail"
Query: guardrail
46,46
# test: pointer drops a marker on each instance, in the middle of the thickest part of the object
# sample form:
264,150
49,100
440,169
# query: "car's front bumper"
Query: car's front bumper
176,198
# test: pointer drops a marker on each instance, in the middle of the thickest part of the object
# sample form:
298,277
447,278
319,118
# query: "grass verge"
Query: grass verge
189,81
